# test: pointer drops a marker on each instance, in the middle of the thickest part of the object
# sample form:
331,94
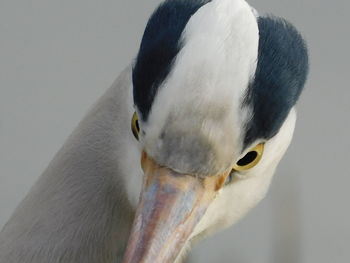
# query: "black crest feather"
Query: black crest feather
280,76
159,46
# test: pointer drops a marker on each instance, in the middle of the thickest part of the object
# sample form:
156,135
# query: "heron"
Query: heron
184,143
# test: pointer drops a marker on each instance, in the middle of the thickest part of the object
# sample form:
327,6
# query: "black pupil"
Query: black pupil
137,126
248,158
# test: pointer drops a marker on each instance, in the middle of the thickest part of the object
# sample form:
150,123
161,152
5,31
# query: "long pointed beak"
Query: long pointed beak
171,204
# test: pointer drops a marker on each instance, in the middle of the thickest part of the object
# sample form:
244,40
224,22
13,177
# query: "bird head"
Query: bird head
214,88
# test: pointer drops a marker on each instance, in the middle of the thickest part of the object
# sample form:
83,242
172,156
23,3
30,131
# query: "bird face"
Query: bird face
214,92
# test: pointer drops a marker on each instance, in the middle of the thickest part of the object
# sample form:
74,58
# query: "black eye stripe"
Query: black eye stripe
159,47
281,72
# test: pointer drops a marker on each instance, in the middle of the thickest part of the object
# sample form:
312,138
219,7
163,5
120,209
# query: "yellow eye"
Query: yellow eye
251,159
135,127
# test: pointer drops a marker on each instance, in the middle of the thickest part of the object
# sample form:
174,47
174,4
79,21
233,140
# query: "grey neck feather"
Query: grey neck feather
78,211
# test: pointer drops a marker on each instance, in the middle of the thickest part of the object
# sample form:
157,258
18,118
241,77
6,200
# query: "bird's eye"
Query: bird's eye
135,127
251,159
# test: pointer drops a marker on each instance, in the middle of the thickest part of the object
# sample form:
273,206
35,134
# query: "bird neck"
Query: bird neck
79,210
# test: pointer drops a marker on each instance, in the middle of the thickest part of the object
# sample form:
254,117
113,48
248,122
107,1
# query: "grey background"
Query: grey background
58,57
